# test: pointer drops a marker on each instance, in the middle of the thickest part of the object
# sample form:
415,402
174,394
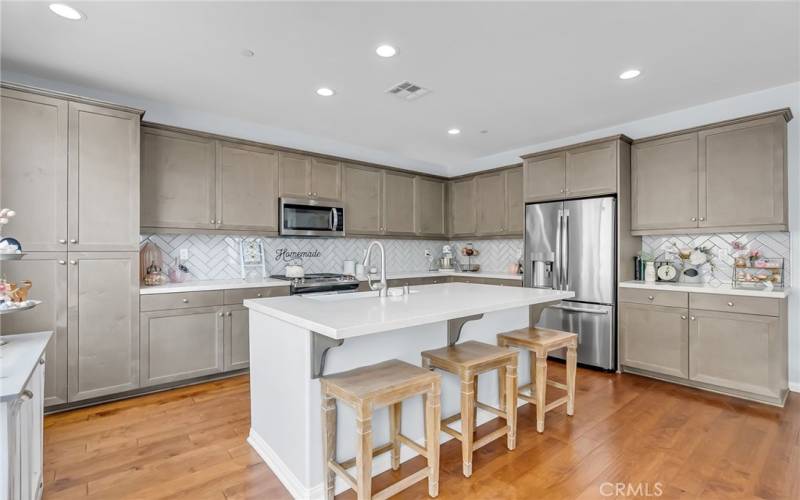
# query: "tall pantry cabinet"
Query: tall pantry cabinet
69,167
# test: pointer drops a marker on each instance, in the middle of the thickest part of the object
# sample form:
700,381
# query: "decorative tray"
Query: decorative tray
18,306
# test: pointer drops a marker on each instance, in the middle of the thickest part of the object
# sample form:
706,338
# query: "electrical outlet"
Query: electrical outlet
184,253
427,253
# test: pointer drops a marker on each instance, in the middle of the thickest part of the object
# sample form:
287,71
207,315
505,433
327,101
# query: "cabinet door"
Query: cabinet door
591,170
247,188
736,351
398,203
33,169
178,177
490,203
326,179
664,183
429,206
462,207
237,338
103,179
31,436
103,322
544,177
515,207
743,175
655,338
181,344
363,200
48,273
293,175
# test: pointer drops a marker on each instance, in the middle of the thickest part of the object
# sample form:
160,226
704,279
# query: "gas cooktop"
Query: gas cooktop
320,282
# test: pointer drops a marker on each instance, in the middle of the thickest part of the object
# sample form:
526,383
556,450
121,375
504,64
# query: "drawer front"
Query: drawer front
736,304
180,300
237,296
654,297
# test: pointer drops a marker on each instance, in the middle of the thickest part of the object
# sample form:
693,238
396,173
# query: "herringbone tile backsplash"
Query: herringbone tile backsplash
770,244
217,256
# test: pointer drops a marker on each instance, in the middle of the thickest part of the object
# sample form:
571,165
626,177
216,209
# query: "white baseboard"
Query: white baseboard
794,386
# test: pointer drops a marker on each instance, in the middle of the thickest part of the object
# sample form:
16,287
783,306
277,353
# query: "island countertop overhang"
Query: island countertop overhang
353,315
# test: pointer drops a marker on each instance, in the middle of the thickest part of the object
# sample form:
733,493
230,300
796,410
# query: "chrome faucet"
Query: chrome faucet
382,287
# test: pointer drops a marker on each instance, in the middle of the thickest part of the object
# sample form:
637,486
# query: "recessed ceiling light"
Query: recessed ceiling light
454,131
325,92
66,11
247,53
631,73
386,51
484,131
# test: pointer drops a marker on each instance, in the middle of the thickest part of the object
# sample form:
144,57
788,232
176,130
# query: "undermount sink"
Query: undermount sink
352,296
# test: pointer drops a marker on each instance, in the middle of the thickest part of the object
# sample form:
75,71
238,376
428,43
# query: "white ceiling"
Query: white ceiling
526,72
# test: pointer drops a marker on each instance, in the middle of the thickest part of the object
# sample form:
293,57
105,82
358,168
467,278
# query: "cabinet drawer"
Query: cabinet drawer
655,297
735,303
180,300
237,296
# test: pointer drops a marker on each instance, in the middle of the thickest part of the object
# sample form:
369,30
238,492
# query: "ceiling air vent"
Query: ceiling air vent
408,91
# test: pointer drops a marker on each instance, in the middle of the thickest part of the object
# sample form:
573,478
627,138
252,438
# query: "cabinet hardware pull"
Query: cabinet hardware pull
221,314
650,297
702,219
562,190
62,241
692,318
314,194
41,361
730,304
694,219
258,295
230,314
308,194
26,395
683,316
213,221
62,262
185,301
73,241
74,262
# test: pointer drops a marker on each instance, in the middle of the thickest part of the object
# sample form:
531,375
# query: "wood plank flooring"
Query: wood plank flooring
648,436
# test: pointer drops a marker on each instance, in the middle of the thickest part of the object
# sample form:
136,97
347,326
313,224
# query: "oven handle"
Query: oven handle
581,310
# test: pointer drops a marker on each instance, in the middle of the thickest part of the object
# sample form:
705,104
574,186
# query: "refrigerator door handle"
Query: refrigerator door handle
559,253
565,251
599,312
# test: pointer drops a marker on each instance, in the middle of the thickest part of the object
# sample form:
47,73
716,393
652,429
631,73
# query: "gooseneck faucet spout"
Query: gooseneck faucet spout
381,286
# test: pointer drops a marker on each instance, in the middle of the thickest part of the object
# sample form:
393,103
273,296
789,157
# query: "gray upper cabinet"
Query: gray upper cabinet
743,175
325,179
430,202
463,215
663,183
103,179
515,206
724,177
545,177
398,203
103,318
177,180
247,188
591,170
363,200
655,338
33,181
294,175
48,272
490,193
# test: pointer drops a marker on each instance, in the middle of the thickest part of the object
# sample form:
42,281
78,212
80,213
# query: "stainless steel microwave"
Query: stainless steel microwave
304,217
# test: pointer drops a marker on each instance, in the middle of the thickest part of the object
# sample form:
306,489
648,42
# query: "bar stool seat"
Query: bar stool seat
540,342
468,360
383,384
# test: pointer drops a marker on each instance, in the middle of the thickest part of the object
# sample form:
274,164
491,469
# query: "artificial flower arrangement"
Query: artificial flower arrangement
696,256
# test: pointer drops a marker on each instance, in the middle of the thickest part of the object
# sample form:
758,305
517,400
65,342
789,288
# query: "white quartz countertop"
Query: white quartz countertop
18,358
434,274
777,293
351,315
206,285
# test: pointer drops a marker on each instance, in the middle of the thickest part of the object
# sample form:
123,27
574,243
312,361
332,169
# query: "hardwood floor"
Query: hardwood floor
628,432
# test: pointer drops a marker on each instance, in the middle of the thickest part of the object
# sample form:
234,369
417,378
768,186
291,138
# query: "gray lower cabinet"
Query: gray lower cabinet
737,351
655,338
103,318
236,338
181,344
48,272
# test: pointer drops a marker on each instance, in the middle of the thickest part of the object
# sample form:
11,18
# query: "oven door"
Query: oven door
300,217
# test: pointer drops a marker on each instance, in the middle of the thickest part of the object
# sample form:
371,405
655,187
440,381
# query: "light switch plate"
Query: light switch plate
184,253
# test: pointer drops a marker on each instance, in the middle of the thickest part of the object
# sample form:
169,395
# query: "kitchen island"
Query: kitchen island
293,340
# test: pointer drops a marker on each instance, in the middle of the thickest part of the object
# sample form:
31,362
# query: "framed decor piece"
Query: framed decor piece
252,259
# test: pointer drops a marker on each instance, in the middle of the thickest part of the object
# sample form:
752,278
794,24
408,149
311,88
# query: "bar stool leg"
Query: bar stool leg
467,423
501,382
572,366
328,443
395,413
364,452
541,388
511,405
532,358
432,430
475,406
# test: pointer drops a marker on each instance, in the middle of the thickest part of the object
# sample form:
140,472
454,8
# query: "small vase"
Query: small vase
650,272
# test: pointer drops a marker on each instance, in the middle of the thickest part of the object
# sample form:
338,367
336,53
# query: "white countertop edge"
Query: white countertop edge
260,305
32,348
704,288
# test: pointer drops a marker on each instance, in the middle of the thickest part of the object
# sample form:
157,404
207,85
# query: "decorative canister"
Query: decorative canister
650,271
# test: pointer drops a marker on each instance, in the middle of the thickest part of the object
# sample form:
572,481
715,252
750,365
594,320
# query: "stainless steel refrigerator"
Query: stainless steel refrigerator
571,245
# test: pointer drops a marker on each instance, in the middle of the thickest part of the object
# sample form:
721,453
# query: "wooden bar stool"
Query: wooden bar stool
468,360
382,384
540,342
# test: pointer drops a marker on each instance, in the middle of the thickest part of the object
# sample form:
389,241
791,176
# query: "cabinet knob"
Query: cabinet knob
62,241
683,316
26,395
258,295
185,301
308,194
73,241
692,318
730,304
650,297
230,314
562,190
221,314
41,361
702,219
62,262
74,262
212,221
694,219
